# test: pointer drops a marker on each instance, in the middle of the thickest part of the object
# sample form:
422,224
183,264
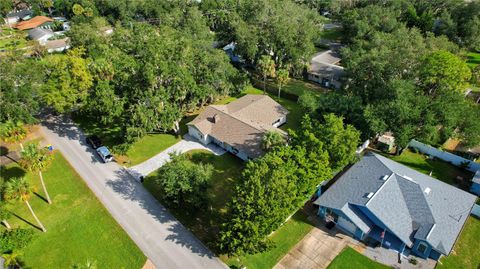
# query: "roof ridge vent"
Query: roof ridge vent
369,195
385,177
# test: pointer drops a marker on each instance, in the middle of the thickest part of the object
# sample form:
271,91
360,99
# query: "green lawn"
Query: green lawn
148,146
285,238
79,228
11,39
332,34
143,149
473,59
444,171
351,259
295,86
465,254
205,222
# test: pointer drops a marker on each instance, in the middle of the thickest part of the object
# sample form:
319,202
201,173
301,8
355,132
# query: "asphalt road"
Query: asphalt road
163,239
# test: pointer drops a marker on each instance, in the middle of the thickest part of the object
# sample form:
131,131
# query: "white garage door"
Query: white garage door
346,225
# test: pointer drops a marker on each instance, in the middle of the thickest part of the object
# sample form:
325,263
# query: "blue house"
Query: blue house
475,188
379,200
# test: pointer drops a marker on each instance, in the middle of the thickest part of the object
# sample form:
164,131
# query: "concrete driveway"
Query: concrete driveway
316,250
186,144
163,239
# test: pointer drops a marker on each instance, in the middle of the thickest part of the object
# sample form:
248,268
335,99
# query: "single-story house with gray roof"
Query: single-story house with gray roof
40,35
382,201
239,126
324,69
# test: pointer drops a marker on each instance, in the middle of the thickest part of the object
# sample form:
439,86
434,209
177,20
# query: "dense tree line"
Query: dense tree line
262,28
402,74
273,187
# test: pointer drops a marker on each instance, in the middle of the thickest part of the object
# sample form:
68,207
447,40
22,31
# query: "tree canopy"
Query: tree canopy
183,182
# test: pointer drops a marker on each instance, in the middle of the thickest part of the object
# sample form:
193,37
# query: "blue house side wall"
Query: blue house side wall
475,188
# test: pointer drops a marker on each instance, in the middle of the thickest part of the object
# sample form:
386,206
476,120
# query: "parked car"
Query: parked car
94,142
105,154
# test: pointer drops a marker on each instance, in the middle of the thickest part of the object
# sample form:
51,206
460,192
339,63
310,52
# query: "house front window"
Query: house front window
422,248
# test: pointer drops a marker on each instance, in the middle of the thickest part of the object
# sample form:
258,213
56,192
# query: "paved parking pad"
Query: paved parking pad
316,250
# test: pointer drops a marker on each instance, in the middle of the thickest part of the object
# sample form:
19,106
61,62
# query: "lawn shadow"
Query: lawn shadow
130,189
26,221
10,172
3,150
41,197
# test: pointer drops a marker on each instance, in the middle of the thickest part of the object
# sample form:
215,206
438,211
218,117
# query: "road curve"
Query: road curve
163,239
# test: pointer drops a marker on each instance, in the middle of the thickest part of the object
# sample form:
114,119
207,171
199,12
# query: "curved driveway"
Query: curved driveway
163,239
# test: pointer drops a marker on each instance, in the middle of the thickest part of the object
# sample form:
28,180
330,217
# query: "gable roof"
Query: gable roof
33,22
20,13
410,204
38,33
58,43
241,123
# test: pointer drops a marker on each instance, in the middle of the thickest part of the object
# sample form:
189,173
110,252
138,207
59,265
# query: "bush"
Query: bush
15,239
413,261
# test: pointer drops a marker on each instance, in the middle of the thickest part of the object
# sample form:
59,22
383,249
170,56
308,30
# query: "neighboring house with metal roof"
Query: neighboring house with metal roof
16,16
239,126
382,201
40,35
475,188
324,69
37,21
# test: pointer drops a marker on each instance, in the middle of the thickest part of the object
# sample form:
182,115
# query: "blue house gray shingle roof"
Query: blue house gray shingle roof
410,204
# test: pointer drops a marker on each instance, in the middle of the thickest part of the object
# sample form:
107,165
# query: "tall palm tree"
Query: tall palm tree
18,189
37,160
4,215
266,66
282,79
272,139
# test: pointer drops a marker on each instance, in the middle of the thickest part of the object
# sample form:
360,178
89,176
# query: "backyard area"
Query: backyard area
79,229
473,59
351,259
441,170
465,254
294,86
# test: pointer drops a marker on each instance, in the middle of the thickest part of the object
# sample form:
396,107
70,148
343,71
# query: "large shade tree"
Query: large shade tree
260,28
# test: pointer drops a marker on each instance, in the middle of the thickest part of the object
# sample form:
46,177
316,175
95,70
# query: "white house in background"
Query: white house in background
15,16
239,126
40,35
324,69
58,45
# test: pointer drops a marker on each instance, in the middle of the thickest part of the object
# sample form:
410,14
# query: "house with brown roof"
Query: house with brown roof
37,21
239,126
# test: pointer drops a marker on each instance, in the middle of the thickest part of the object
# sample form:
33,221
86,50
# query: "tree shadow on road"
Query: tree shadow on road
133,190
